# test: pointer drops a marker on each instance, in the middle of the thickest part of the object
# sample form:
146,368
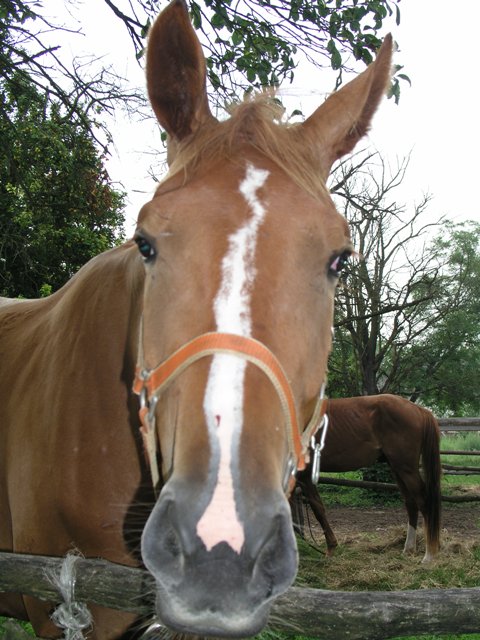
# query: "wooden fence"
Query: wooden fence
459,424
329,615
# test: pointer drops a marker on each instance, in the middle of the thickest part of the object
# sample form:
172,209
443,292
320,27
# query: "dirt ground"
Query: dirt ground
461,521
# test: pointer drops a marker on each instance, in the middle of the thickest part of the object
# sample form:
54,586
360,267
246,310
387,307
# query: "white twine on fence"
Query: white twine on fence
70,616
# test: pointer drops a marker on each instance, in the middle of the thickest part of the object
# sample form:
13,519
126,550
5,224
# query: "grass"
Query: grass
374,561
16,629
468,441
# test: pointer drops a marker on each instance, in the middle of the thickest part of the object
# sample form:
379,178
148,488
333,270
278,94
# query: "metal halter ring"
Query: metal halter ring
317,448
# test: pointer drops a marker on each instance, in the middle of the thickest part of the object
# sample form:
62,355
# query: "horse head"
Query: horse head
242,248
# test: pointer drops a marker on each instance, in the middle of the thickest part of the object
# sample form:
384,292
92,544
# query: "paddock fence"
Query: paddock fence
318,613
447,425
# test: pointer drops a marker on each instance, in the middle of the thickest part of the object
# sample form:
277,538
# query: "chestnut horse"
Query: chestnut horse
229,284
367,429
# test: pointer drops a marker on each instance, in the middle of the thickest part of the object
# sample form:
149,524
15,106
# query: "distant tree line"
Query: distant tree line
408,305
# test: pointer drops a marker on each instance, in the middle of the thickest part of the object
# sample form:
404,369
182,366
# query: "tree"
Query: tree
256,42
58,207
399,306
443,367
82,91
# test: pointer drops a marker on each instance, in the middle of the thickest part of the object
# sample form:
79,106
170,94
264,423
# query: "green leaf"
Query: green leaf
237,37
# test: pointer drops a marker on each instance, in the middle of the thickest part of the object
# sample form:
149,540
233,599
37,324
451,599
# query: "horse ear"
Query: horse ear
176,72
344,118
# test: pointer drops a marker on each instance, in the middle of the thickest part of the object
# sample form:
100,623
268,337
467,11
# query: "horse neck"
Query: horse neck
101,306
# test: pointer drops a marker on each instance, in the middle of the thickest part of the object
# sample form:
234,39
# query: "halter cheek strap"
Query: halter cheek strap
150,383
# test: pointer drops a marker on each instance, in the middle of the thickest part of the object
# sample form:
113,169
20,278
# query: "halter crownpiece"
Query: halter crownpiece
150,383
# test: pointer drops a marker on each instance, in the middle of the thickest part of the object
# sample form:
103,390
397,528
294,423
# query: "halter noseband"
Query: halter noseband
149,384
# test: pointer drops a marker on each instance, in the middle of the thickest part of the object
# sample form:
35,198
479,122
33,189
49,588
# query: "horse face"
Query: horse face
234,243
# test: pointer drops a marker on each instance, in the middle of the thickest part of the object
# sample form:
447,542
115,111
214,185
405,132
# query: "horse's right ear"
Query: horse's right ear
176,72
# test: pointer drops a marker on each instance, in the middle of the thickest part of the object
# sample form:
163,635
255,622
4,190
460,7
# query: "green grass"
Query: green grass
468,441
25,629
463,441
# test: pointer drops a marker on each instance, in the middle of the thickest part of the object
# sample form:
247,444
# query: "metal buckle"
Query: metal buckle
290,471
143,398
317,449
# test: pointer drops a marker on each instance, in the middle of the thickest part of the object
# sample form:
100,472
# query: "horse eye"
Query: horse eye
338,263
146,249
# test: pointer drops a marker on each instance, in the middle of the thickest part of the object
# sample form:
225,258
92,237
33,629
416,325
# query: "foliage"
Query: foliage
257,42
378,472
407,309
29,48
11,629
444,365
58,207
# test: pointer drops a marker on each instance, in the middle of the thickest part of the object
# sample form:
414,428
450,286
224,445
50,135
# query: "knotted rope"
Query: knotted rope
71,616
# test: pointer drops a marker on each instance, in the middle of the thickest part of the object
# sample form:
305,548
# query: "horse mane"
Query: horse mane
254,122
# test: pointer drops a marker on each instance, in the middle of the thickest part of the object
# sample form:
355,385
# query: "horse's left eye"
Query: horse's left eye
338,263
146,249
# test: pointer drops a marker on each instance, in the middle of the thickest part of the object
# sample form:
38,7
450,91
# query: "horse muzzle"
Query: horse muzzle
219,591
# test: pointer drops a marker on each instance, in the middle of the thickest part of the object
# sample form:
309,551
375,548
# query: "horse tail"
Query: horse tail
432,472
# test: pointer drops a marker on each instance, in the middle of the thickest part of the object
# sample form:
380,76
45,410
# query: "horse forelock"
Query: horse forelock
256,123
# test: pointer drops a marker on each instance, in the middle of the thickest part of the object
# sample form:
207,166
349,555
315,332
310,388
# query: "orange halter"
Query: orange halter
149,383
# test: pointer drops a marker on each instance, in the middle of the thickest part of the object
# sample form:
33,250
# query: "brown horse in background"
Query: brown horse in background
384,428
219,315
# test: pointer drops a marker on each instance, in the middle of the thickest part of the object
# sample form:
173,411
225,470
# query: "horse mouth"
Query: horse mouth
212,621
218,592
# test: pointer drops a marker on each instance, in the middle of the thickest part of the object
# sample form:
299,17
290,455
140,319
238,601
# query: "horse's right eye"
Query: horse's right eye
146,249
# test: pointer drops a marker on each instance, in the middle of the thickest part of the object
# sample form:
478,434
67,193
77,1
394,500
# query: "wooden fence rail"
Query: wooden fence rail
318,613
459,424
387,486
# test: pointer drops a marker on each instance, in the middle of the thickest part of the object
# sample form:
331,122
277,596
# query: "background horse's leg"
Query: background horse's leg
296,506
314,500
413,495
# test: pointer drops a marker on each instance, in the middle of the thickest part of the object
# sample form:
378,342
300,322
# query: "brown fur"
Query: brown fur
385,427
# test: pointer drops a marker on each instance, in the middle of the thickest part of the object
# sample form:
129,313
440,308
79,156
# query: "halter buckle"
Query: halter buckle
290,472
317,451
317,448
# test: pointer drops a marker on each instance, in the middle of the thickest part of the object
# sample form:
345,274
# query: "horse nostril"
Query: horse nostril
269,591
162,547
172,543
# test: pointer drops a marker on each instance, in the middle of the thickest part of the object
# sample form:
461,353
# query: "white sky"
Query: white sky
436,119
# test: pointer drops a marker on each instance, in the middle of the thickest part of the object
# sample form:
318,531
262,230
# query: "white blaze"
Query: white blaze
223,402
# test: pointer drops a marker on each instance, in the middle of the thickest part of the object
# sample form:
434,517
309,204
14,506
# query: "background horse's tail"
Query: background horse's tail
432,472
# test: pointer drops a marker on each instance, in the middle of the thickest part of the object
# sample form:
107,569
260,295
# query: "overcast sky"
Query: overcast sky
437,118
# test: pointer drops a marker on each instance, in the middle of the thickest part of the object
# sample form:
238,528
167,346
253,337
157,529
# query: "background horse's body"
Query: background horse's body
239,249
388,428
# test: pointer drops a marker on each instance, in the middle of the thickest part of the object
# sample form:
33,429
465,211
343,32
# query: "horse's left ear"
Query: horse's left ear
339,123
176,72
